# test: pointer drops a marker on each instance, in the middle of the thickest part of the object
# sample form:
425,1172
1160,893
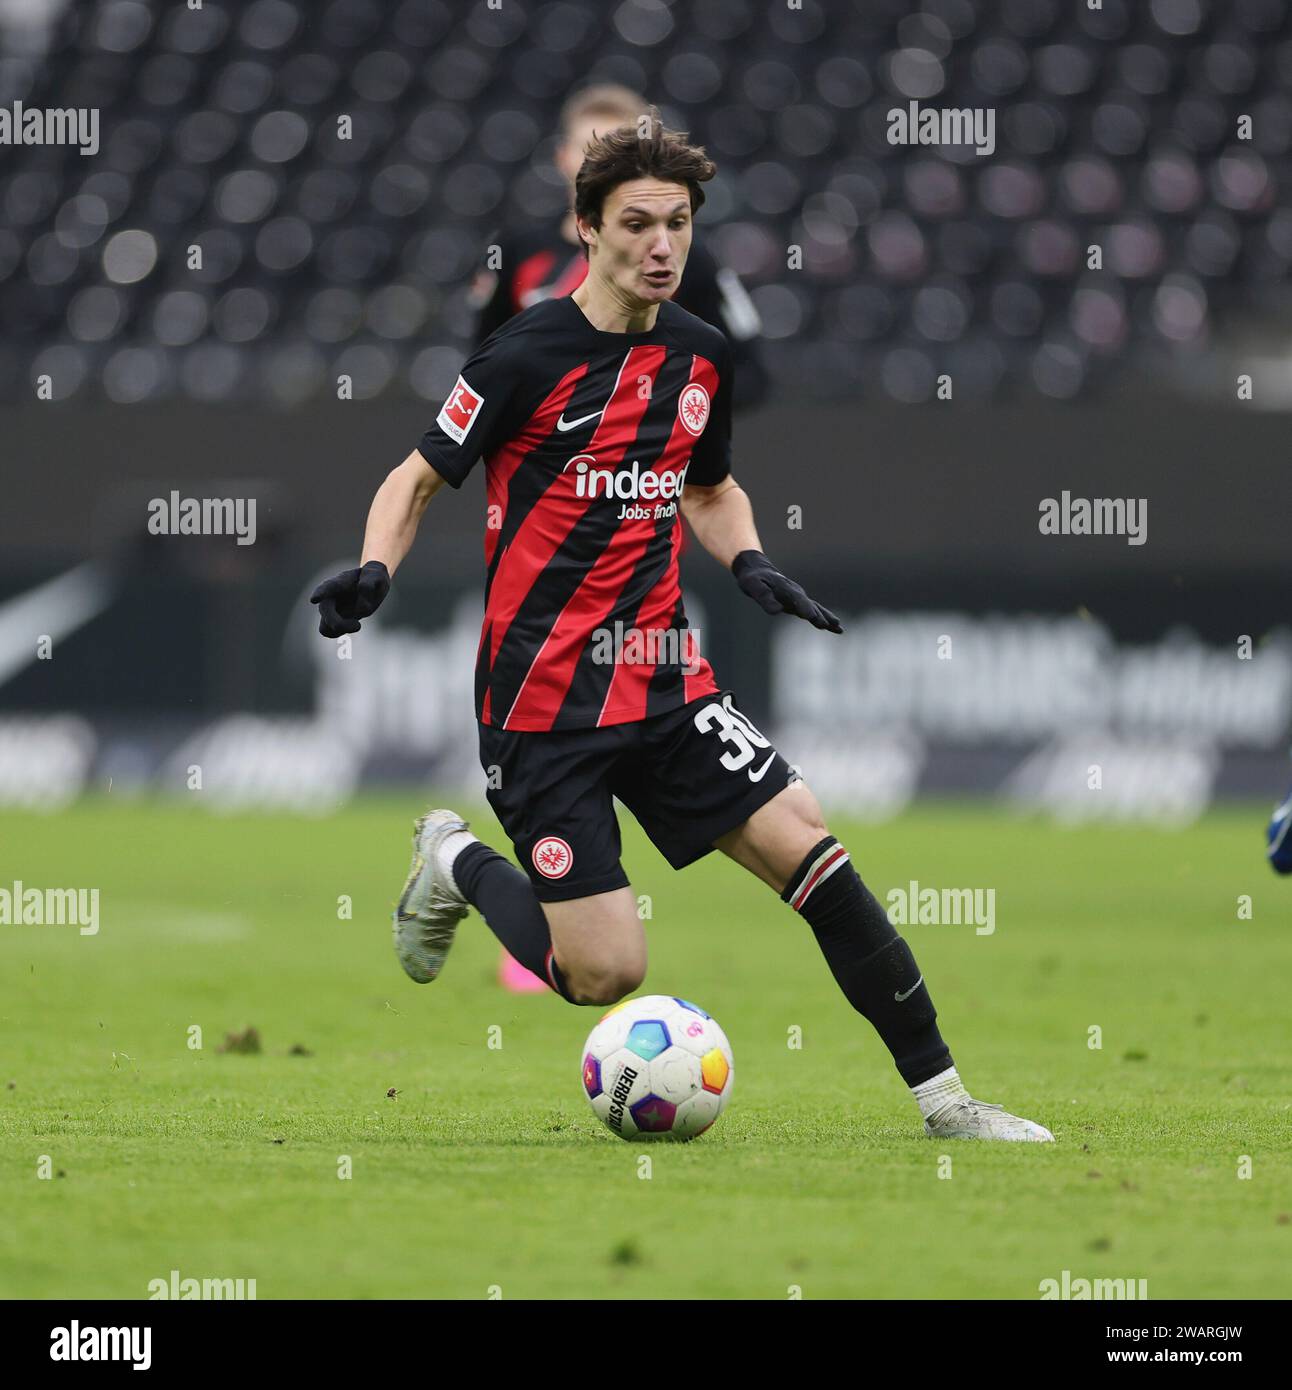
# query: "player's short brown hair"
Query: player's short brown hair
645,150
610,99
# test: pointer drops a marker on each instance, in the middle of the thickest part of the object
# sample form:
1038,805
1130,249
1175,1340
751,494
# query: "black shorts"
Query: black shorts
688,776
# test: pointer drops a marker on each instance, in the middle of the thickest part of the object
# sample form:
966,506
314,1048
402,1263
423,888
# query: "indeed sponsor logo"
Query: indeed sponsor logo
631,482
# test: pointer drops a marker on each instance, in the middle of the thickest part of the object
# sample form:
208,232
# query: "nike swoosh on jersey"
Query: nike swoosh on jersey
563,424
758,776
902,998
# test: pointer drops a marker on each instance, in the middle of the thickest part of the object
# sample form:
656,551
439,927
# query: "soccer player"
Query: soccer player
603,417
541,261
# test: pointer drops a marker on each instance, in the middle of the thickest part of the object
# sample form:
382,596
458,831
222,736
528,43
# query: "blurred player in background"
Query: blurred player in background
541,262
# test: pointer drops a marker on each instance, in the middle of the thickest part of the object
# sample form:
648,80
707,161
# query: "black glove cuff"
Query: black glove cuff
378,565
749,560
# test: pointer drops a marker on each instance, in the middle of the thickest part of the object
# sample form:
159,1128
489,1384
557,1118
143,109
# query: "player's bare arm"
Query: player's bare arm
397,508
722,518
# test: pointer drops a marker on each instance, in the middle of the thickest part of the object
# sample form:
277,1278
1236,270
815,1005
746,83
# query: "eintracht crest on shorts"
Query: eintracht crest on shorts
588,439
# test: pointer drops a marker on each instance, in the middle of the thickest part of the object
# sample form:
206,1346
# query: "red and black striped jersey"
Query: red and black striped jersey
588,439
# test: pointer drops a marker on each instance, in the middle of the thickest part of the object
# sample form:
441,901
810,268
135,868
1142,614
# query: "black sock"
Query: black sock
870,962
505,899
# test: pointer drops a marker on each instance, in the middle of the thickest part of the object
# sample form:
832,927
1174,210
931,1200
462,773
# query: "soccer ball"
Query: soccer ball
657,1068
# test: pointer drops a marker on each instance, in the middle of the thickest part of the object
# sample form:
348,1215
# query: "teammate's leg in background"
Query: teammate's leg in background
517,978
786,844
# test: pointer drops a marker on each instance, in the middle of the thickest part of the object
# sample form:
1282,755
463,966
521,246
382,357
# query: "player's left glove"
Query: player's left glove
767,586
349,596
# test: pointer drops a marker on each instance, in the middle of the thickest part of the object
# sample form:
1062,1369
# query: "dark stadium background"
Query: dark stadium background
918,516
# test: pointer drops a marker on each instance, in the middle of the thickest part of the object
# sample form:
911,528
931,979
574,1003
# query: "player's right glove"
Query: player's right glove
349,596
776,593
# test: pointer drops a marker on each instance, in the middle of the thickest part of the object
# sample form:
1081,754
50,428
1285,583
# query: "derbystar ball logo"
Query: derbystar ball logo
459,412
619,1098
630,484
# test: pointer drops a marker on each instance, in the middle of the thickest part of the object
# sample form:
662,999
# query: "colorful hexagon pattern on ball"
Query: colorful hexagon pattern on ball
654,1115
658,1067
591,1076
714,1071
648,1037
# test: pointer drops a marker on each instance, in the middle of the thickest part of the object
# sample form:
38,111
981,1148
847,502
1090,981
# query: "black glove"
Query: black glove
349,596
767,586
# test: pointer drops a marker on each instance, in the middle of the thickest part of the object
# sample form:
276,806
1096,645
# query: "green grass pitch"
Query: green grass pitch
479,1170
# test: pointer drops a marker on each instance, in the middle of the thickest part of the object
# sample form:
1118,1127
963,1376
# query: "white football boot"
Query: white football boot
962,1117
431,905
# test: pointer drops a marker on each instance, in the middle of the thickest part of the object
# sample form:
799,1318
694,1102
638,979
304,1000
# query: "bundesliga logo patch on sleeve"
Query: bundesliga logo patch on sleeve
459,412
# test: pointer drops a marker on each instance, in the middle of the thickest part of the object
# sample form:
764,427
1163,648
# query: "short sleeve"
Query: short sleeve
715,294
473,415
711,457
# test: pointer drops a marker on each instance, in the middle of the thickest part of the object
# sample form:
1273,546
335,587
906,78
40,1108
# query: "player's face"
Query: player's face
644,238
